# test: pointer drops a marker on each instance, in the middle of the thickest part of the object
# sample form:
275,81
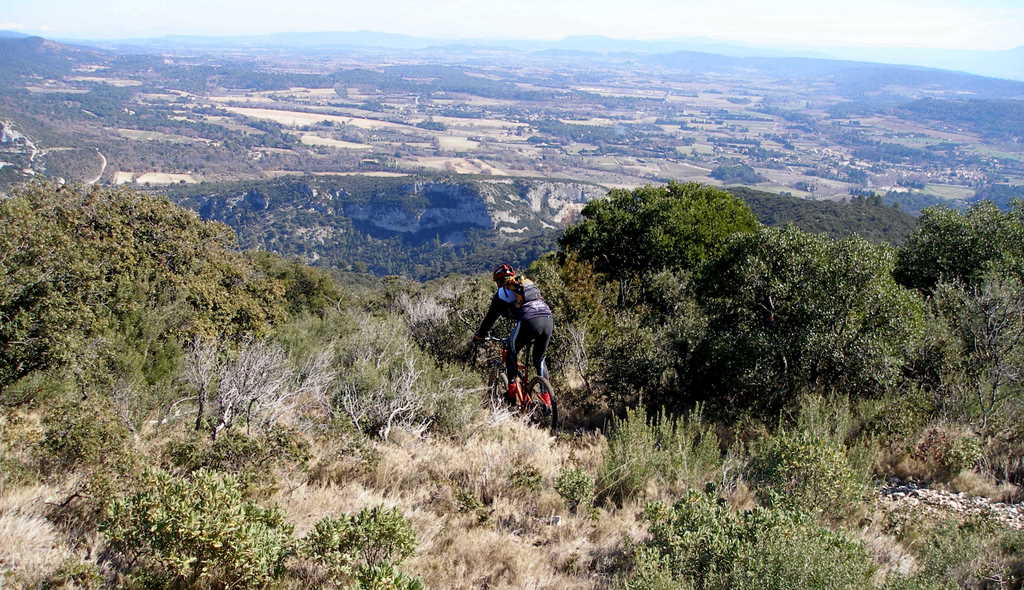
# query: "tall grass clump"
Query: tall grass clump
677,452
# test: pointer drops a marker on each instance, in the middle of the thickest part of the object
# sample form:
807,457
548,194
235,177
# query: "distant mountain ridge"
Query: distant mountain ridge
1007,64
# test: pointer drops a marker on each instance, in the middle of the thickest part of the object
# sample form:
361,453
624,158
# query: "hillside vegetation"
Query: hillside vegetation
425,227
176,414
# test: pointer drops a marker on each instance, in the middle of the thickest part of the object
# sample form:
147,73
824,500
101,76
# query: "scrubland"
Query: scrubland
733,397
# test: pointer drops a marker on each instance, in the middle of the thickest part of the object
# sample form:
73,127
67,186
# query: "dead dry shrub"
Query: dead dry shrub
939,454
973,483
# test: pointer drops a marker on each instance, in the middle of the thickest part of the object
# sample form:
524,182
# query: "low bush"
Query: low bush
576,487
970,553
84,434
943,453
702,543
364,547
197,532
388,382
253,459
801,471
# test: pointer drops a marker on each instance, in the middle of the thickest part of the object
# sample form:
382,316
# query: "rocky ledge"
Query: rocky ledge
942,503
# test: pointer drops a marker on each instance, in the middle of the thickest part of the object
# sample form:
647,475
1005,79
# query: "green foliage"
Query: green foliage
80,263
703,544
736,174
793,312
443,314
674,451
677,226
981,342
306,289
386,577
948,452
527,478
797,470
961,247
87,434
198,531
252,459
74,574
365,547
862,217
576,487
968,553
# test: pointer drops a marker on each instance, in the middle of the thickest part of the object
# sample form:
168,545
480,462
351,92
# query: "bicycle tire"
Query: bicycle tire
544,413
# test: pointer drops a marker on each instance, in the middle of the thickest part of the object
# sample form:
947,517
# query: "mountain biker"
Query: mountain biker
519,299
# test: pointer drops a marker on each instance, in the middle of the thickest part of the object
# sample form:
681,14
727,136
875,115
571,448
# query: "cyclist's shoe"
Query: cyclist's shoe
514,395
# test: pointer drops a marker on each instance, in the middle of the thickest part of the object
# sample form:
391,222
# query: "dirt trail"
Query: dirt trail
103,167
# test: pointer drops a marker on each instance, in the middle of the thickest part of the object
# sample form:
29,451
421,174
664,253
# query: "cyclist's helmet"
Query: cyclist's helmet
502,272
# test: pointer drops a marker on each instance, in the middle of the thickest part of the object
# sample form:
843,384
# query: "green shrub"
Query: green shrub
971,553
88,433
576,487
527,478
964,453
385,577
389,382
86,262
798,470
792,312
251,458
364,547
674,451
74,574
198,531
702,543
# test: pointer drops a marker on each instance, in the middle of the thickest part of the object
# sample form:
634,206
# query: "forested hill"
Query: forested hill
425,227
867,218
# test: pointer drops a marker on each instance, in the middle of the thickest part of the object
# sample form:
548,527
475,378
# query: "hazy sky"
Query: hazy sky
961,24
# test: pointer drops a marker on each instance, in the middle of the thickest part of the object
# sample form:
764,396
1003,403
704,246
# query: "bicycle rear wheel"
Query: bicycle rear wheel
545,404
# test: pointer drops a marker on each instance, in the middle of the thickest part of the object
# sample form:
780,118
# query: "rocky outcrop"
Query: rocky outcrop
435,207
949,504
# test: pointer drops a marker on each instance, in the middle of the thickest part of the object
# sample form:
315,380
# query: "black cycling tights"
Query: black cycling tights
536,330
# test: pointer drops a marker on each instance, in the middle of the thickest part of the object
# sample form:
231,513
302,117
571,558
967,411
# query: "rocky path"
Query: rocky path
941,503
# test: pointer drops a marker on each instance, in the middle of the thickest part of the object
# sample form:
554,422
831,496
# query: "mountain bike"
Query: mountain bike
536,396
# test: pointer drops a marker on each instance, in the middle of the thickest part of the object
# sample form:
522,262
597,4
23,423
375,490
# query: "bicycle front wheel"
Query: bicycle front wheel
497,386
545,404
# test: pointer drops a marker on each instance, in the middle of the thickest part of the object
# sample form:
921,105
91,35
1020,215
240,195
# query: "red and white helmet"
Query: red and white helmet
502,272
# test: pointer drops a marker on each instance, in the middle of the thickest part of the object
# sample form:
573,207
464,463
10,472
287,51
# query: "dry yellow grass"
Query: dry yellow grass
123,177
297,118
32,547
477,522
456,143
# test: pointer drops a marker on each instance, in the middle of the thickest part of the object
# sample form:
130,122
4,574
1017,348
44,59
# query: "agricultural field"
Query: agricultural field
607,120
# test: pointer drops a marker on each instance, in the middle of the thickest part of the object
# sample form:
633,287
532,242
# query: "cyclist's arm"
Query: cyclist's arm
497,305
